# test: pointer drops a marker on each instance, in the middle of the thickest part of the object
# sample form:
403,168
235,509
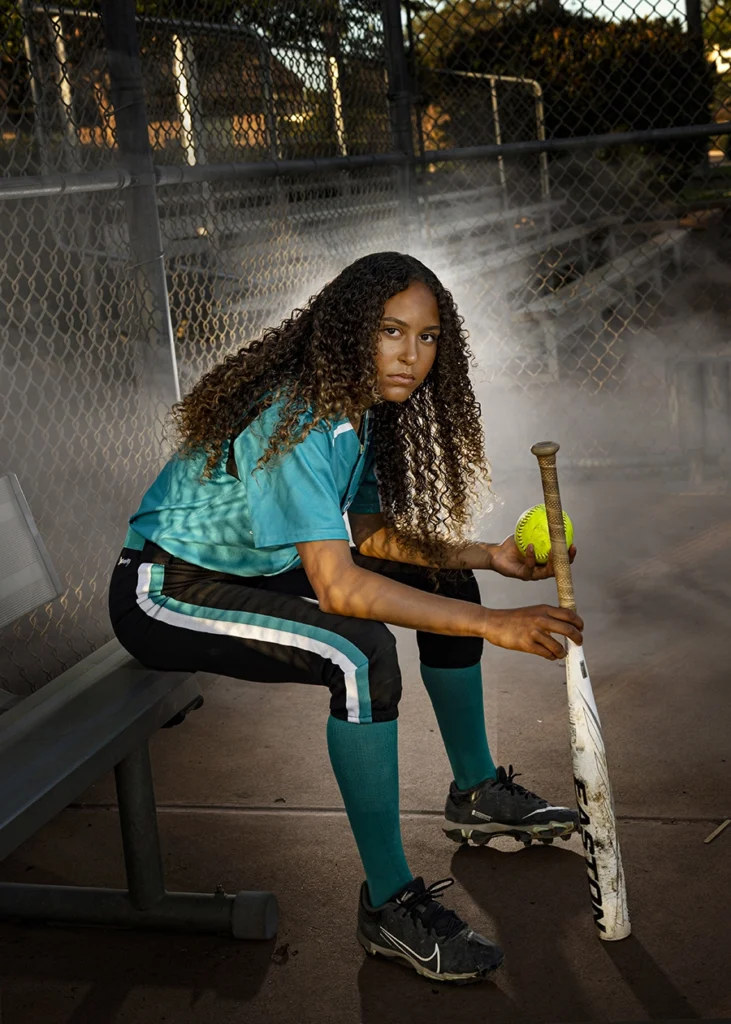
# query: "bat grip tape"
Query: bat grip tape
556,530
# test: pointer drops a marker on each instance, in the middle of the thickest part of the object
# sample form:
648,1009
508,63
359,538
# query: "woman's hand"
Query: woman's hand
530,629
506,559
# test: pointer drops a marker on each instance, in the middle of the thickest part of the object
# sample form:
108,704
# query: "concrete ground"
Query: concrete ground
248,800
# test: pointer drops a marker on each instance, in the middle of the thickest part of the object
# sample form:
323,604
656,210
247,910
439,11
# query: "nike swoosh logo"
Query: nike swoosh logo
542,810
405,949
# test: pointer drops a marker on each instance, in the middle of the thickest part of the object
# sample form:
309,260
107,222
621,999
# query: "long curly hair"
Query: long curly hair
429,450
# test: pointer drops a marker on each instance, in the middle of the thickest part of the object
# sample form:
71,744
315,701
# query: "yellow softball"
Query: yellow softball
532,528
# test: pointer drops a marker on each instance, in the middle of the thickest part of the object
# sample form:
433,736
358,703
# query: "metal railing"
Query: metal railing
495,104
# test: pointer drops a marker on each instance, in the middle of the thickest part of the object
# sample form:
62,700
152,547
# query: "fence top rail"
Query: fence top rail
29,186
56,183
603,141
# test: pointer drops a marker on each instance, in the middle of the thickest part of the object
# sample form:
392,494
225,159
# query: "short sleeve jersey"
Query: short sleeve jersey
247,522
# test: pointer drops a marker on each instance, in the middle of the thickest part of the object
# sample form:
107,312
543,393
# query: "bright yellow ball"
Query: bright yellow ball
532,528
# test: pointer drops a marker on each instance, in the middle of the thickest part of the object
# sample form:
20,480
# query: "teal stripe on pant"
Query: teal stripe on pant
268,628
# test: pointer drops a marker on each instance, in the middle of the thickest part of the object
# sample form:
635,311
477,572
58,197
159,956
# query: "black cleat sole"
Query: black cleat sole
477,837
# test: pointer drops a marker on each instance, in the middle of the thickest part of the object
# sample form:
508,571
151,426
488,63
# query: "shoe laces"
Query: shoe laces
432,914
504,780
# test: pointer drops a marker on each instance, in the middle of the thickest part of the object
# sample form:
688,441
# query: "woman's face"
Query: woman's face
407,341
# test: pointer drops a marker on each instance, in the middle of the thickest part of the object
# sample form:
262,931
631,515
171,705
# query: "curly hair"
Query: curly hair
429,450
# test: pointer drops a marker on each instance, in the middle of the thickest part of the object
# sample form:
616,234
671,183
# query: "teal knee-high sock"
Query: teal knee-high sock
365,762
456,696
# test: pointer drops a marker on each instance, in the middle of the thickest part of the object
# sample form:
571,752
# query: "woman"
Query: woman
238,562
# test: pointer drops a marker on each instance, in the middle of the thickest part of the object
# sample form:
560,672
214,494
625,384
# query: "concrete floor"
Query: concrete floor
248,800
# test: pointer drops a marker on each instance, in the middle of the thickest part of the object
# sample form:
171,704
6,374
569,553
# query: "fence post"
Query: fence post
400,100
694,18
145,238
78,207
36,87
694,21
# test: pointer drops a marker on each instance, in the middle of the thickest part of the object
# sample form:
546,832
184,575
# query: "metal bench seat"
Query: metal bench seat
64,737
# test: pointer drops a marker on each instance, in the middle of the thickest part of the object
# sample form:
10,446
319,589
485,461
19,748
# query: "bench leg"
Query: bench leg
689,406
584,249
715,408
678,256
551,339
611,245
657,275
247,915
138,823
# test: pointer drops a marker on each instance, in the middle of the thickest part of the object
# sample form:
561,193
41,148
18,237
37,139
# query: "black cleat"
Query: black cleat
498,807
413,927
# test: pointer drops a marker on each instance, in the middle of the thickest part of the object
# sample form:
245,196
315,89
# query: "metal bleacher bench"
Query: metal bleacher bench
612,284
65,736
503,258
449,223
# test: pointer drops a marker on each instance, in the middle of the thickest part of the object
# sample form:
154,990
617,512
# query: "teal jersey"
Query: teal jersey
248,523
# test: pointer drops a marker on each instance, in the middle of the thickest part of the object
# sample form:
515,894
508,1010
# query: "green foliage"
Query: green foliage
282,21
597,76
717,24
439,27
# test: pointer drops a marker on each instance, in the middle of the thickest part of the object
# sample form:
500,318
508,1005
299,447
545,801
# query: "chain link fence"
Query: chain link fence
579,267
178,176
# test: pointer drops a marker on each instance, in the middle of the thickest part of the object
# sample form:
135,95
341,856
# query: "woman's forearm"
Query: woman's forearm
362,594
384,544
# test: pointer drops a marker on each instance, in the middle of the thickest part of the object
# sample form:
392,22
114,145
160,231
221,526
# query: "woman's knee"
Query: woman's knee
439,651
371,688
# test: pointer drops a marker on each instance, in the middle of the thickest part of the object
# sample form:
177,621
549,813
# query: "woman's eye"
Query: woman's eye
395,332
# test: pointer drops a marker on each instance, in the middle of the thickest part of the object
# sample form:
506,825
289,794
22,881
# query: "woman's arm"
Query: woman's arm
343,588
372,538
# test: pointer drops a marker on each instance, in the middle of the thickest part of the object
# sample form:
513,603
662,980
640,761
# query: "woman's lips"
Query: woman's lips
401,378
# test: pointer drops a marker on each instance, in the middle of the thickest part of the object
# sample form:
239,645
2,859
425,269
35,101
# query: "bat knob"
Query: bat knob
545,448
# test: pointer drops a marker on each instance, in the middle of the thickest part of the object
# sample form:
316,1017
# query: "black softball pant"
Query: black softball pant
172,615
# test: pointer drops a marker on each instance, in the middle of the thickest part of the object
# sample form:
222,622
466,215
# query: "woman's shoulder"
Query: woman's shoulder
267,415
272,410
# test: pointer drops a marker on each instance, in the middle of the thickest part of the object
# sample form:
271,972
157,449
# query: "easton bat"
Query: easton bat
591,776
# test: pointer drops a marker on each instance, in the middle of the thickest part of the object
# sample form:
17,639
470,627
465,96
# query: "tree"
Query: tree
438,27
597,76
717,33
